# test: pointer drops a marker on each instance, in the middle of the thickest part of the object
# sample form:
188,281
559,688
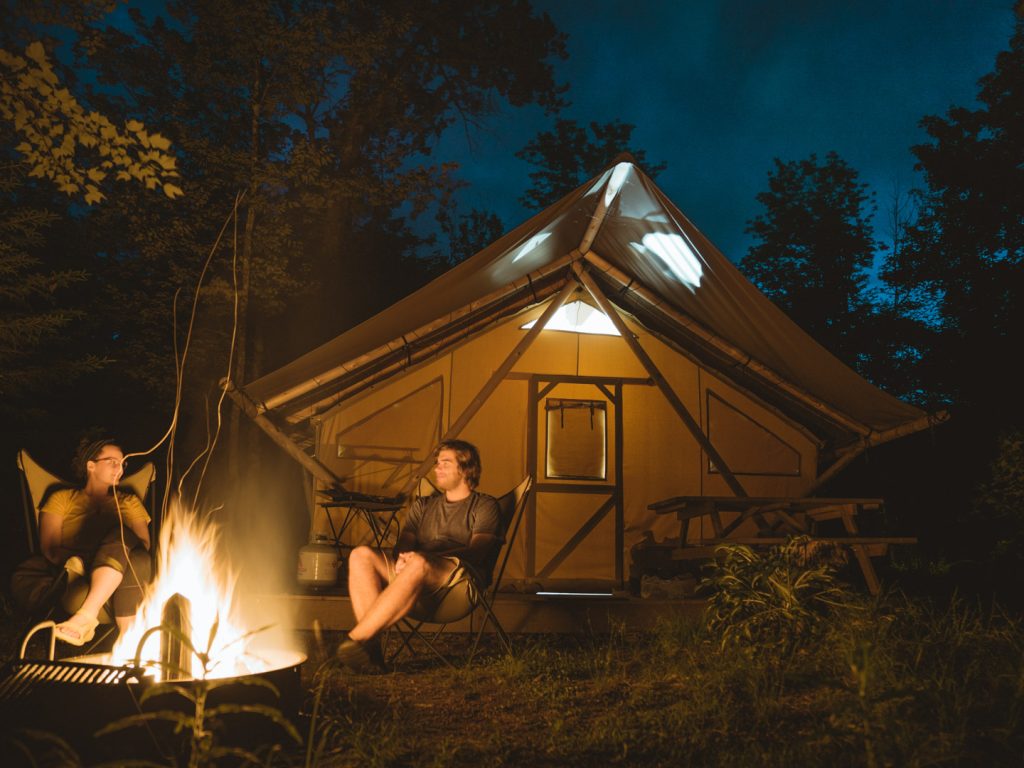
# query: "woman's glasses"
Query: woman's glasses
114,461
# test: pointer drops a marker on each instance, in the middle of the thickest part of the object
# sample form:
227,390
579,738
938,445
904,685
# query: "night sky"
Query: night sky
717,89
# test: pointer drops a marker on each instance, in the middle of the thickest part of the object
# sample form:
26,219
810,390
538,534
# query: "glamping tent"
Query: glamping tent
606,347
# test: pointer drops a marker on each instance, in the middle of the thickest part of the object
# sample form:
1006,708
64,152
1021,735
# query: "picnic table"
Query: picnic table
778,518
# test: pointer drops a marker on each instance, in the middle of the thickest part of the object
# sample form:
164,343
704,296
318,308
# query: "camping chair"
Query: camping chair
510,509
37,484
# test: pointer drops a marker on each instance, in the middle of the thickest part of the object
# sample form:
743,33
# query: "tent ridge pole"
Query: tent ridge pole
649,365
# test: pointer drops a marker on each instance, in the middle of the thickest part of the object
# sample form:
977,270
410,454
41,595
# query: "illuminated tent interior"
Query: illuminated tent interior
604,346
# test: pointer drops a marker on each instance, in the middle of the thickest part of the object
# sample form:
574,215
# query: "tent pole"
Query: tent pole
496,378
285,397
742,358
314,467
599,216
878,438
652,370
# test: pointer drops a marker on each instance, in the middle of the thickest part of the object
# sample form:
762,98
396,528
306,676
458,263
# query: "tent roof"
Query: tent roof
664,271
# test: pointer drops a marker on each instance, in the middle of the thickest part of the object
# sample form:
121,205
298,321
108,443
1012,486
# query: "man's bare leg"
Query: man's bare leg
418,574
367,577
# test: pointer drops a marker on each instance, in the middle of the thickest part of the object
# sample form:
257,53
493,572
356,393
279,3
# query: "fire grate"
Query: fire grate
23,676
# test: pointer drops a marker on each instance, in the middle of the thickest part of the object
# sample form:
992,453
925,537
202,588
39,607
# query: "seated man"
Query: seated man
457,526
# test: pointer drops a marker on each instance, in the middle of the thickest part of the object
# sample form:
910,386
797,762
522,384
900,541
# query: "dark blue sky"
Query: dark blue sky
718,88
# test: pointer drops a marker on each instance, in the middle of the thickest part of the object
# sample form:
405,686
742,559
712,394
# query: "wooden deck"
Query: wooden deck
518,613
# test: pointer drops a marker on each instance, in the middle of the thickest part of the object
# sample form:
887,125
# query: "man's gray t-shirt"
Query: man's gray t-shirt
441,525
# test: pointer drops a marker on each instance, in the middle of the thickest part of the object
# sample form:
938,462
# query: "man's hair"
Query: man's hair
468,457
89,450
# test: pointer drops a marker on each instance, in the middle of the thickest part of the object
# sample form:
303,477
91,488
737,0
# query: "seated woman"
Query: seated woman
90,532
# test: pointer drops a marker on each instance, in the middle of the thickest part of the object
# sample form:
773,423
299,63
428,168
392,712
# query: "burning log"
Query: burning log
175,653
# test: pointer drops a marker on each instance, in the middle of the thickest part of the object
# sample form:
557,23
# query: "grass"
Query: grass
896,682
891,682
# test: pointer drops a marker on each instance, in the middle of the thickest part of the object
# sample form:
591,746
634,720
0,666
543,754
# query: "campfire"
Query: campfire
195,591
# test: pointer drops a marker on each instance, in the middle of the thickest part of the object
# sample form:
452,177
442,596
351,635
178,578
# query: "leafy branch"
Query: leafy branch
77,150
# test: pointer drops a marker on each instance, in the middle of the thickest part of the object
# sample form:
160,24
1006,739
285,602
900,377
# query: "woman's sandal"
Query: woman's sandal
78,630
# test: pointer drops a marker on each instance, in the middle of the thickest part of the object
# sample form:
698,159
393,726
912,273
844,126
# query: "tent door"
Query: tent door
574,523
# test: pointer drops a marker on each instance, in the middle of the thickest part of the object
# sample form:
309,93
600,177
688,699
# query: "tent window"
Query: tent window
577,439
748,447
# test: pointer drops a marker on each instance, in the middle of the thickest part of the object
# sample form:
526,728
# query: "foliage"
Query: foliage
38,748
998,505
966,247
33,324
814,246
567,156
901,682
325,115
77,150
201,725
468,233
777,600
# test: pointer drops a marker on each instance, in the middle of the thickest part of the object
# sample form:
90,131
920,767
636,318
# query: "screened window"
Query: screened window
577,439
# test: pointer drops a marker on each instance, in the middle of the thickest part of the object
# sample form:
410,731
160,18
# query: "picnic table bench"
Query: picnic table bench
778,518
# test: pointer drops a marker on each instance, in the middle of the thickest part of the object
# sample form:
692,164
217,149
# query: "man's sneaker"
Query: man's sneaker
360,657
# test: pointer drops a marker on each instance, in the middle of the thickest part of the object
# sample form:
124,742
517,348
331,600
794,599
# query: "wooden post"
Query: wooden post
315,468
860,551
652,370
876,438
496,378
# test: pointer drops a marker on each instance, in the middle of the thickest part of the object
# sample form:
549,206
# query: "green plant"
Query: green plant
38,748
202,724
777,599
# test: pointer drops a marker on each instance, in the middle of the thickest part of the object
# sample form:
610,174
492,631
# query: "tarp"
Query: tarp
623,218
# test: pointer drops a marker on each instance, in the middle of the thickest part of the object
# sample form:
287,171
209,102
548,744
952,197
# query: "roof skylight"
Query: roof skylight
579,317
673,250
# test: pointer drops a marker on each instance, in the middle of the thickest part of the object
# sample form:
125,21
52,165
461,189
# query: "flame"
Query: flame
191,565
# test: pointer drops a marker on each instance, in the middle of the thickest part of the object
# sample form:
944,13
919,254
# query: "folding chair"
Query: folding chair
453,607
38,484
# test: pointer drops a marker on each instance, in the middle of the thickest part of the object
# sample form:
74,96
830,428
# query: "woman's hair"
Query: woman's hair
89,450
468,457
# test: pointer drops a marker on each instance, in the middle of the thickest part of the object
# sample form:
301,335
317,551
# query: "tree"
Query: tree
961,262
899,331
567,156
966,248
325,115
55,132
815,247
468,233
34,328
50,141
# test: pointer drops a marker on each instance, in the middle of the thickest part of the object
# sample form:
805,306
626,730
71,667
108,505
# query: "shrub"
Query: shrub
776,599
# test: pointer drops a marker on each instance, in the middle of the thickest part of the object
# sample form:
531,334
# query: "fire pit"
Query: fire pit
74,698
190,632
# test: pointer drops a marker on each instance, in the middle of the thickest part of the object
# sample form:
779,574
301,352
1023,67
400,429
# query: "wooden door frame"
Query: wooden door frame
611,388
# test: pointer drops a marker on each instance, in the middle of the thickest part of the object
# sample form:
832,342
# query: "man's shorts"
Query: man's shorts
450,602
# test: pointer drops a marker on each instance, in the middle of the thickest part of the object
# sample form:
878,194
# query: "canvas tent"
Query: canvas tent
604,346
